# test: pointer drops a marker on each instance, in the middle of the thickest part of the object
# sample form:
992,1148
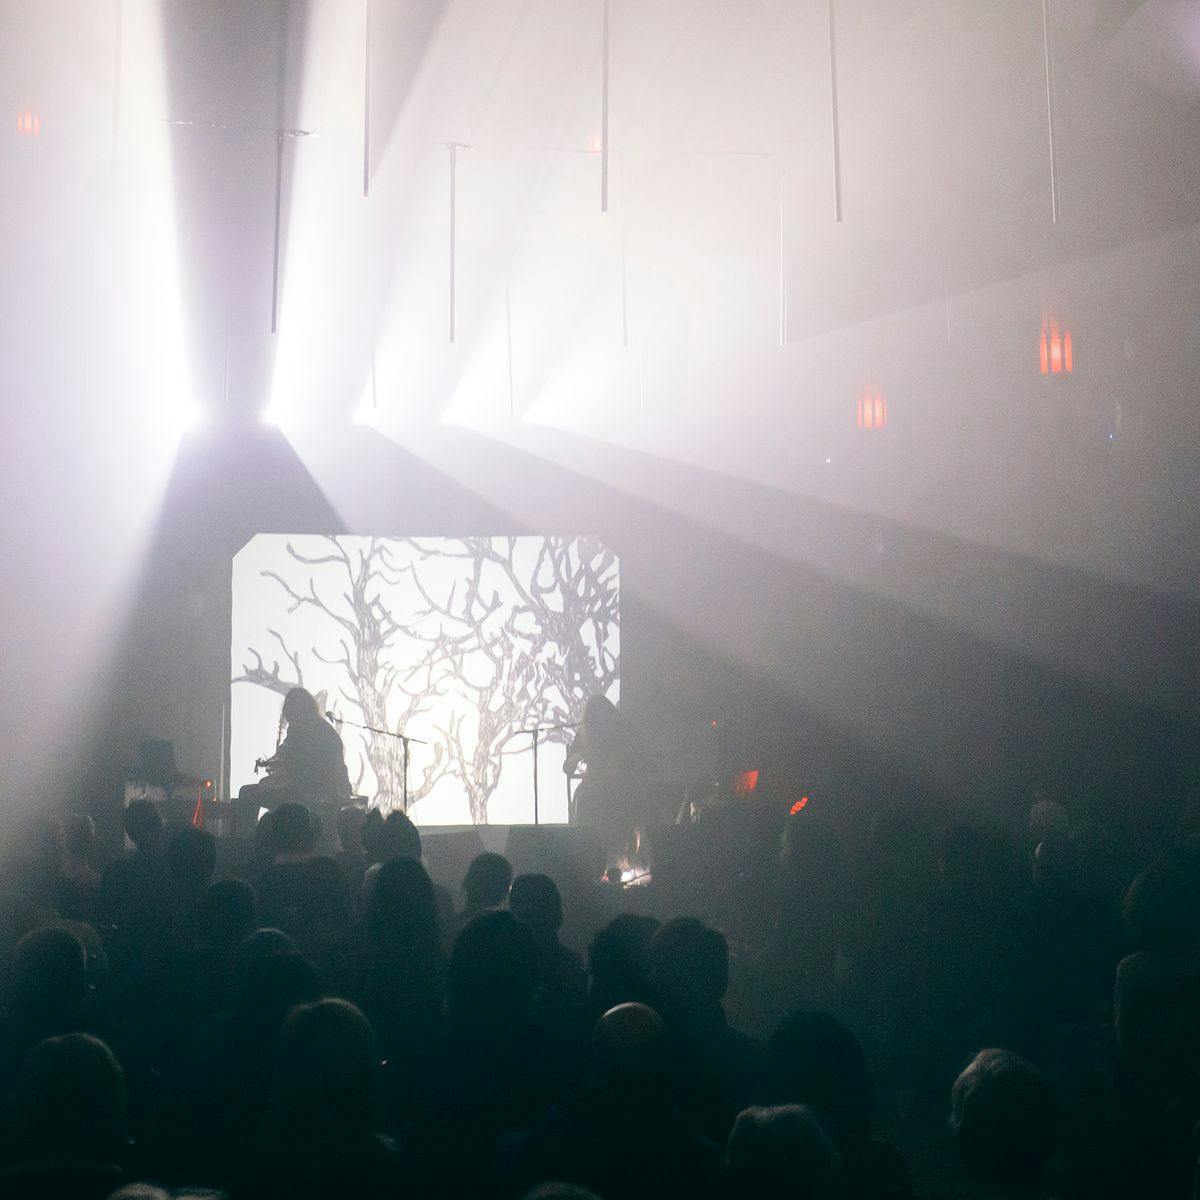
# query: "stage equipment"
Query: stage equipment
405,742
536,734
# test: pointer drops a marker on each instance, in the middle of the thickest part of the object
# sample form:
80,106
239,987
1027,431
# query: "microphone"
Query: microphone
335,720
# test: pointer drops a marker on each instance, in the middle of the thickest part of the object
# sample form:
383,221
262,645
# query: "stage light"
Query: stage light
797,806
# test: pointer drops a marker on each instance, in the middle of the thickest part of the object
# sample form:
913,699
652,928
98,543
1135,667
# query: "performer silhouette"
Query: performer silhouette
612,793
309,764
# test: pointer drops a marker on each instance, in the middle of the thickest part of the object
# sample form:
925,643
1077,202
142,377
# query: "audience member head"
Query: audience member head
813,1059
487,881
192,859
300,708
1161,909
144,825
536,901
1055,865
493,970
781,1153
689,965
1048,818
227,913
392,837
43,840
629,1054
79,836
71,1102
402,906
273,985
292,833
1003,1119
326,1076
262,943
619,959
559,1191
49,980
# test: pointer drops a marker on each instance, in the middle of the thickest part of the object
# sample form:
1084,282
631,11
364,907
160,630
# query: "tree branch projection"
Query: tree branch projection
485,637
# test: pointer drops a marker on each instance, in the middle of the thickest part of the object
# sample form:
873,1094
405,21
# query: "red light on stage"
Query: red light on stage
872,410
714,723
29,122
1068,356
797,806
745,782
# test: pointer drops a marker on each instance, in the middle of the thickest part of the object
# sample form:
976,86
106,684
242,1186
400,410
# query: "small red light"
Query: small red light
798,806
714,724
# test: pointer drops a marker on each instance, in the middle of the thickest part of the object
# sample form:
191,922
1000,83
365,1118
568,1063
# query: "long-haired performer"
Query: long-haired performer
612,796
309,764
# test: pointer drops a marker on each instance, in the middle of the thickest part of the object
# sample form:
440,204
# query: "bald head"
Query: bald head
629,1042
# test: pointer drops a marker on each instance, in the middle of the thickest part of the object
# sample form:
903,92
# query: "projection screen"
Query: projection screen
464,643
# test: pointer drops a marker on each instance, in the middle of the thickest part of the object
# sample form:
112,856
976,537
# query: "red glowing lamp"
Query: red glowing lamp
1056,355
872,410
745,782
797,806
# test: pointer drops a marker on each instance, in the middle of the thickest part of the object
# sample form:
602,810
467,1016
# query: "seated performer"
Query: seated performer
612,793
309,765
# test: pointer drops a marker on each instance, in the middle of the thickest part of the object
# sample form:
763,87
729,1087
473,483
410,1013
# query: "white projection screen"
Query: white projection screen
463,643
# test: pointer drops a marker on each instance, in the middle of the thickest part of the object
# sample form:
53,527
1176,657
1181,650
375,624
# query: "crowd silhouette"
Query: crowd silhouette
933,1009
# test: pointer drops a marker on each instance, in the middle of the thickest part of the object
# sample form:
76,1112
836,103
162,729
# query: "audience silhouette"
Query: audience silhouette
267,1020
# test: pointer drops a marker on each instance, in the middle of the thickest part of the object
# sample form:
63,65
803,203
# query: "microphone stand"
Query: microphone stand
536,733
403,738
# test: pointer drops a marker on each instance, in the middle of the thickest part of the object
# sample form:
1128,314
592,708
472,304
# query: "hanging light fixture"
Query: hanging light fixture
1056,352
872,410
29,122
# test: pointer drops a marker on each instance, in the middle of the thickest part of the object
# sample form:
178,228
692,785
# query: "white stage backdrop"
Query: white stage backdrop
462,642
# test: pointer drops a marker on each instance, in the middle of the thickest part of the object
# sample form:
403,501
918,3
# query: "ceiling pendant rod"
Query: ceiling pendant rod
1048,56
604,116
367,99
833,109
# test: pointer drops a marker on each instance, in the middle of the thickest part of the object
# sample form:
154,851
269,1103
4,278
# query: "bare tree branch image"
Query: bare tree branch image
471,640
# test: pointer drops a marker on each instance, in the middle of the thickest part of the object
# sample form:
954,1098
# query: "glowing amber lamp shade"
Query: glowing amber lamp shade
872,411
1056,355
